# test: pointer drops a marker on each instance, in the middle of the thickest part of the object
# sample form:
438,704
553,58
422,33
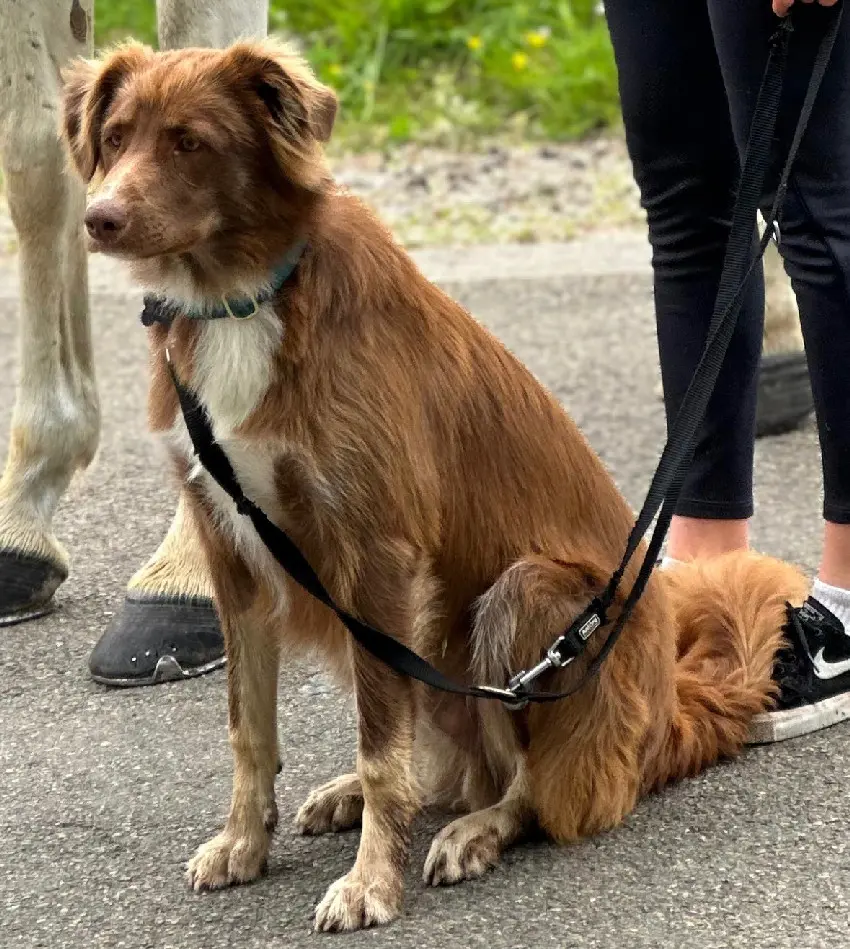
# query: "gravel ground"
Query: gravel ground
525,194
106,793
504,194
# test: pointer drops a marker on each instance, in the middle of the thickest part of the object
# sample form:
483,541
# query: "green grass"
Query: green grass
444,71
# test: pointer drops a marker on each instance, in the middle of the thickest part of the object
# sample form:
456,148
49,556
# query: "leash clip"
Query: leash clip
566,649
518,685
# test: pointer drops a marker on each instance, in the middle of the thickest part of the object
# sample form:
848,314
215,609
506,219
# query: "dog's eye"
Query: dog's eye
114,139
188,143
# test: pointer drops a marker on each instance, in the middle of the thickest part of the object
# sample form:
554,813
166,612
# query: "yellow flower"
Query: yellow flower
536,38
474,42
519,61
335,69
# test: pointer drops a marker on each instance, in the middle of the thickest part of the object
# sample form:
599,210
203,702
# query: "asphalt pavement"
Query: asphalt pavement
105,794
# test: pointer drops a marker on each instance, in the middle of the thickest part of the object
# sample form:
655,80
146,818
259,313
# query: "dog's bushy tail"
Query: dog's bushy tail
729,613
678,692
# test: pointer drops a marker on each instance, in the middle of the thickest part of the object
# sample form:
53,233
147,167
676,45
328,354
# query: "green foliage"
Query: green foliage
441,69
116,20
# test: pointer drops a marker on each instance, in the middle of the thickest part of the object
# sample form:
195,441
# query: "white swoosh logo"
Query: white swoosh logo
829,670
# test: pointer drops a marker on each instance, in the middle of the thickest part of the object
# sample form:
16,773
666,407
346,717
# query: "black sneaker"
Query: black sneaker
158,639
813,674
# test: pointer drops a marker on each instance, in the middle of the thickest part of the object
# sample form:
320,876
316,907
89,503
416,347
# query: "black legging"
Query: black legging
689,72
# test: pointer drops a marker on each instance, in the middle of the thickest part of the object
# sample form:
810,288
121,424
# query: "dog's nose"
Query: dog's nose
105,220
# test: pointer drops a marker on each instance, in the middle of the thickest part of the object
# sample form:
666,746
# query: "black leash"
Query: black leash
666,484
395,654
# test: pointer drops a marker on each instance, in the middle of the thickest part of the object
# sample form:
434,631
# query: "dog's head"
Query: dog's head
183,148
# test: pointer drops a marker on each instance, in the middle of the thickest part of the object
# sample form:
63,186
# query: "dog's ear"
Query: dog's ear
296,107
89,89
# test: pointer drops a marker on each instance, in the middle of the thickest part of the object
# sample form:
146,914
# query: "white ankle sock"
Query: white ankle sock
668,562
835,599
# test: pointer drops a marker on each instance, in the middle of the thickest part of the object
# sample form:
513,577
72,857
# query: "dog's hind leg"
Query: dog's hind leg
581,755
494,780
472,844
334,807
521,615
238,854
56,419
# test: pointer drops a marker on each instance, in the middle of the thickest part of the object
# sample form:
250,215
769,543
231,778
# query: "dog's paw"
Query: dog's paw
334,807
352,904
465,849
227,860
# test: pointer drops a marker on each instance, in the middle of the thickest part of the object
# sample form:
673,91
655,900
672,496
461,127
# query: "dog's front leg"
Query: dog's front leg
238,854
371,892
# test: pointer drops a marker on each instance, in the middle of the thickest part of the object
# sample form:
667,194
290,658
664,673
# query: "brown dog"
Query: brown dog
440,492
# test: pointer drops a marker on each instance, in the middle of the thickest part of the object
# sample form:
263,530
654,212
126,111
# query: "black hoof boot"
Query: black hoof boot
158,638
784,394
27,585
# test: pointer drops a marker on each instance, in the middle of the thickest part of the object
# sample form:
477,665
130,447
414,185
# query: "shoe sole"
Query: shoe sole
771,727
167,669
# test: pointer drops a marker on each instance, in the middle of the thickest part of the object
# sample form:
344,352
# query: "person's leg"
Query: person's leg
835,561
815,240
815,244
686,165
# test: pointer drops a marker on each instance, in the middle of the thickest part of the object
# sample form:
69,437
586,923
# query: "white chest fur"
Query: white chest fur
234,366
